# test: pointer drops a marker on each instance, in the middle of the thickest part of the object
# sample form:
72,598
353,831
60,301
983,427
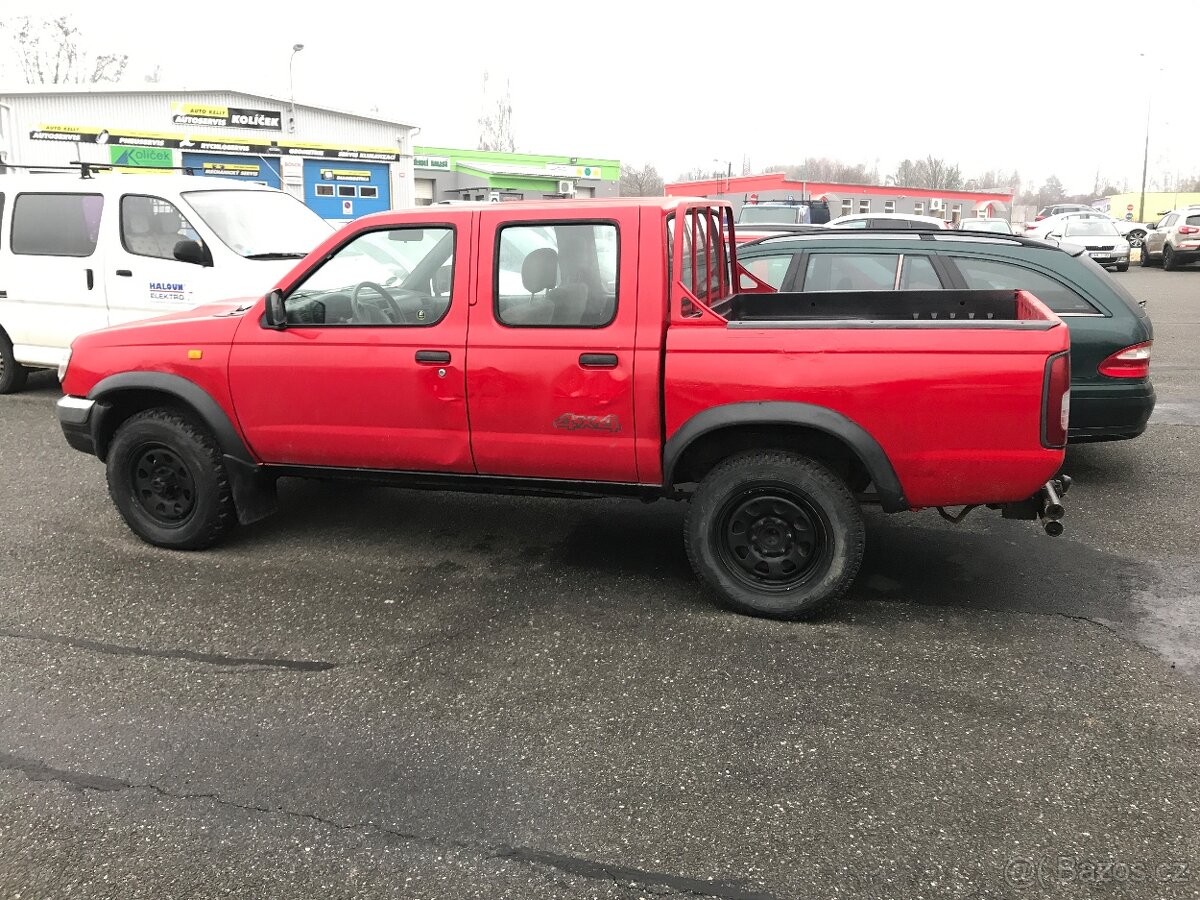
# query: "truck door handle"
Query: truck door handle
91,279
433,357
125,273
598,360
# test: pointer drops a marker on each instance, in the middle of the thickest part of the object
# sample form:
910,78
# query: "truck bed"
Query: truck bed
1006,309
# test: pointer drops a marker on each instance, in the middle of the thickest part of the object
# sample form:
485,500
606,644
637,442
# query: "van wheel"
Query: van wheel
166,477
775,534
12,374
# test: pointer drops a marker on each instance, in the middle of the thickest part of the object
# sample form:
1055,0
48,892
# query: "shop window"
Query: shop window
560,275
347,190
151,226
368,192
56,224
324,190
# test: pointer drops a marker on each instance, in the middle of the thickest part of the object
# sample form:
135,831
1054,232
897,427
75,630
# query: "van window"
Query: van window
56,224
151,226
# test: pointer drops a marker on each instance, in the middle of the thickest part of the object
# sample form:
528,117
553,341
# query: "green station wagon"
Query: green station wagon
1111,334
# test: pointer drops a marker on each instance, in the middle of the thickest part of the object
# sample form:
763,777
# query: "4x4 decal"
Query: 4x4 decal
573,422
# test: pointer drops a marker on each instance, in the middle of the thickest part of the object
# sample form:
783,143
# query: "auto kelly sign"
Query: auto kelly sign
226,116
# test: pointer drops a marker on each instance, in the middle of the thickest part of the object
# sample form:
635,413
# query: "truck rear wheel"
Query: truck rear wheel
167,479
775,534
12,373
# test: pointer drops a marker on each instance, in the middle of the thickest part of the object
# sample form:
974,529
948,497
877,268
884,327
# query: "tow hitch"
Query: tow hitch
1046,505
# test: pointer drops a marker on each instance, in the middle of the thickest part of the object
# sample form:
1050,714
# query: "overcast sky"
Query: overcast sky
1043,87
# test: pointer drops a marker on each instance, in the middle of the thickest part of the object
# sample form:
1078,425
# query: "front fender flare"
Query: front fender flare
806,415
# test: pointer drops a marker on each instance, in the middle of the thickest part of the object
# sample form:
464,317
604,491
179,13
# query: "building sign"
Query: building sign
225,116
235,170
431,162
121,138
573,171
345,175
141,157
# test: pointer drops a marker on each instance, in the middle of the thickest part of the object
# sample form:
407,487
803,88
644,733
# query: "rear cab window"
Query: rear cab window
56,224
556,274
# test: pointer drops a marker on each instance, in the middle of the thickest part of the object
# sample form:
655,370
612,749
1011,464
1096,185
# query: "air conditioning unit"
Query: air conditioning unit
937,205
566,188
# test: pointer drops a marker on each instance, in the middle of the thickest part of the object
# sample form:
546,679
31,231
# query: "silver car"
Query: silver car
1099,237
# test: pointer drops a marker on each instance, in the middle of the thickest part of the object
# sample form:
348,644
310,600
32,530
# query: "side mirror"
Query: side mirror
193,252
276,316
1054,236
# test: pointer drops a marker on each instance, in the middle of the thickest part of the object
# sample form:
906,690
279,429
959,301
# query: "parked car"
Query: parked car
1057,209
84,253
784,212
754,232
998,226
1133,232
1099,238
1112,396
776,425
889,222
1175,240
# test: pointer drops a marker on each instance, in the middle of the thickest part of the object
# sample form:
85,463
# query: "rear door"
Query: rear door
51,284
550,367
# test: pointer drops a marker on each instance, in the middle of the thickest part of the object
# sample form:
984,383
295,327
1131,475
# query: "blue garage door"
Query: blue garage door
243,168
346,189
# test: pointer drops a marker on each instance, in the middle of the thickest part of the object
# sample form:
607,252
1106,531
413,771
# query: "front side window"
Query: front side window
851,272
151,226
394,277
556,275
990,274
56,224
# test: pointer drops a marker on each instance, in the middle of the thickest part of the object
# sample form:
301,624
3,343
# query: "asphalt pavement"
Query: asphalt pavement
383,693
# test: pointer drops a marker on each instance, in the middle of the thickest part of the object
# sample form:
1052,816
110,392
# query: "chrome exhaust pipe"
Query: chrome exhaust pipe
1054,529
1053,510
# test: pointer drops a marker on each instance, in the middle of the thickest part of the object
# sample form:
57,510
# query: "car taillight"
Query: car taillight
1056,400
1189,229
1038,218
1132,362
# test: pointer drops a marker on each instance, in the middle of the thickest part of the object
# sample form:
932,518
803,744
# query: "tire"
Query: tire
166,477
1123,267
1168,258
1146,262
1136,238
775,534
13,375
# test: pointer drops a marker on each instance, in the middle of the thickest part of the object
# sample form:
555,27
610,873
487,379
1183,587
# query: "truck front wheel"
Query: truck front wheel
775,534
167,479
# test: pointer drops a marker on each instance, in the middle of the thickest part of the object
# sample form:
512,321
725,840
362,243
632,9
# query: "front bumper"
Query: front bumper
1110,258
75,416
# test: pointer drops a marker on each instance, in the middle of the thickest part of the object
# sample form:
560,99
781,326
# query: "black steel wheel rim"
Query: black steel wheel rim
163,485
773,538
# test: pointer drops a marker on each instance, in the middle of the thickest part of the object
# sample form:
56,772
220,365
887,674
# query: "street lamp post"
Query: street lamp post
728,171
296,48
1145,166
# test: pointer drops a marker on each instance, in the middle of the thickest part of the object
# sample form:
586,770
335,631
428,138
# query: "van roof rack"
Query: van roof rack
86,169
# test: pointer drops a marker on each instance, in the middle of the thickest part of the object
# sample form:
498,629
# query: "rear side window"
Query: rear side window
556,275
56,224
918,274
851,272
151,226
771,269
989,274
1191,220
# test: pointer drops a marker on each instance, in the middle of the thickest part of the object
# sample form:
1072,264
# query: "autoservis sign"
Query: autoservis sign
226,116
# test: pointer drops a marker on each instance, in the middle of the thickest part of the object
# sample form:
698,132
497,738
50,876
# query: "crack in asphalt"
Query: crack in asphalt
213,659
620,876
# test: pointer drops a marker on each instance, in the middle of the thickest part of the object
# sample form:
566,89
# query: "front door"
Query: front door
370,371
52,285
142,276
550,370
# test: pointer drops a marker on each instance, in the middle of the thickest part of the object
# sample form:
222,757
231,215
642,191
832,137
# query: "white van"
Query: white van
77,254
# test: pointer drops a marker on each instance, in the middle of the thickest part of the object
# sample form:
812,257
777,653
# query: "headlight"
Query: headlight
62,366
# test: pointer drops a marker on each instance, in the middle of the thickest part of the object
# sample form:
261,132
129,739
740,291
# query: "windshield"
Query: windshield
782,215
261,224
1090,228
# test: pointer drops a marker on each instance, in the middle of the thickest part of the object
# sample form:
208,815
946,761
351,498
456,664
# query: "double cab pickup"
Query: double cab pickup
583,348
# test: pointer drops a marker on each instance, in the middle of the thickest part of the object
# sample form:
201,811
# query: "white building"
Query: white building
342,164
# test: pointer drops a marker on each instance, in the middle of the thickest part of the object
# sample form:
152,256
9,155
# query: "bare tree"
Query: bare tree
643,182
825,169
495,122
49,52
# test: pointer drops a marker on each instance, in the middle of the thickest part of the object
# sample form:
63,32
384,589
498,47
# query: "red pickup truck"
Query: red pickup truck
580,349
